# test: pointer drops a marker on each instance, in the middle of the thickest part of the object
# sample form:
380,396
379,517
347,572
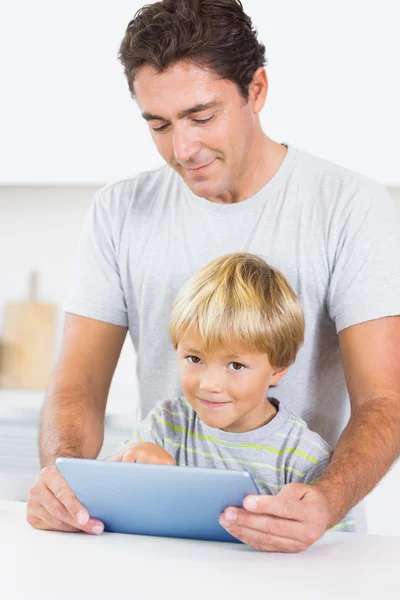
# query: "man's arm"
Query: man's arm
370,443
72,420
300,514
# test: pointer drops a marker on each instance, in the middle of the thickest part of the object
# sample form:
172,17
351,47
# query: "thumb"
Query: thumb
294,491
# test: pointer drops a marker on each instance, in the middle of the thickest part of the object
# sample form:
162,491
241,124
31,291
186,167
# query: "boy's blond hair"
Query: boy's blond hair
239,302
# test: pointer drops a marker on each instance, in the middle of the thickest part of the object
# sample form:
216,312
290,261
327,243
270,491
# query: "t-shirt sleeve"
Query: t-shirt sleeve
96,289
315,472
364,255
151,429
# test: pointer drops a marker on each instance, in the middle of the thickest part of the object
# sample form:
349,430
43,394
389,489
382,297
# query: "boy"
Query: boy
237,326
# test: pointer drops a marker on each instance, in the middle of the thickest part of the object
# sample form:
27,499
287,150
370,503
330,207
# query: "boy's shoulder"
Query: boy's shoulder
174,414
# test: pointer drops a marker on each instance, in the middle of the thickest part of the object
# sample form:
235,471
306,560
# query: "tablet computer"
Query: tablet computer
161,500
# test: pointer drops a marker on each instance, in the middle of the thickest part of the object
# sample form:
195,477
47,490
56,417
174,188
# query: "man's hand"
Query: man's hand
144,452
52,505
289,522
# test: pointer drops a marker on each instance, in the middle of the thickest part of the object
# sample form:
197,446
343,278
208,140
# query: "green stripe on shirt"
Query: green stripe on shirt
220,442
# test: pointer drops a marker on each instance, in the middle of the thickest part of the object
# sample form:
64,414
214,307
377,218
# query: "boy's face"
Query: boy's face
228,391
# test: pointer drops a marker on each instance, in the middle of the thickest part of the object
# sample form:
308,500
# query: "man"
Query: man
197,73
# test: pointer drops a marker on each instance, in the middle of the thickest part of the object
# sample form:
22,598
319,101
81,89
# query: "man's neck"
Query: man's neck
264,163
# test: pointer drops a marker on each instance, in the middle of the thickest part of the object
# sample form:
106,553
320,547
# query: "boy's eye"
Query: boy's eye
237,366
194,359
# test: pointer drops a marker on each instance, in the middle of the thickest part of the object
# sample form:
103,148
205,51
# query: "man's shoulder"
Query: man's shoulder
333,176
140,190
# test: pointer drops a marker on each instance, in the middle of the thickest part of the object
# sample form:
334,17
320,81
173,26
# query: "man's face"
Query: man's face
201,125
228,391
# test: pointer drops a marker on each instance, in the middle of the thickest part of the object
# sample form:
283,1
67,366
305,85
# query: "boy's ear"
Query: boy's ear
278,374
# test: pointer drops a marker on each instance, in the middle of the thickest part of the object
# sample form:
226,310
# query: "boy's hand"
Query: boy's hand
144,452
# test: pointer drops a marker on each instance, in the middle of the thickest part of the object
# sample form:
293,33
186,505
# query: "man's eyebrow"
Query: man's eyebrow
182,114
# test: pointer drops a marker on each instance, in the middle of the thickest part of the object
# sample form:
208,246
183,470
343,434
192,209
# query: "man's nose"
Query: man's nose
186,146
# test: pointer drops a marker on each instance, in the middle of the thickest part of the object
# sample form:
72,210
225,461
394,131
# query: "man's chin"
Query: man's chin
203,189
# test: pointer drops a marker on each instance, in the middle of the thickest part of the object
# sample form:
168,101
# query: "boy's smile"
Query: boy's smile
228,391
212,404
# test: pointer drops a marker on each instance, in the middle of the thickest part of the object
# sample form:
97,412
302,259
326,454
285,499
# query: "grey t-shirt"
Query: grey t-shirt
334,234
280,452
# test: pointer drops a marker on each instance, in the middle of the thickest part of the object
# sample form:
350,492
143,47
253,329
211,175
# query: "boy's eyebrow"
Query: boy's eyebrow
184,113
195,351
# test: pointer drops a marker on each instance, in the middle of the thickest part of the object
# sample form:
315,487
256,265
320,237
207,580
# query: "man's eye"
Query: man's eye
194,359
197,121
237,366
202,121
160,128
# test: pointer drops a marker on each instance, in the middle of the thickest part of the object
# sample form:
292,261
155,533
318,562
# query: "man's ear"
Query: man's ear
278,374
258,89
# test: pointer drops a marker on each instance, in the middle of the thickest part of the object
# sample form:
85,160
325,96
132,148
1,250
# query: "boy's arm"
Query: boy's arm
147,441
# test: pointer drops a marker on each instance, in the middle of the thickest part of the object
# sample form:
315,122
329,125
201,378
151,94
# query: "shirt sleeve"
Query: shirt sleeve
364,256
96,289
151,429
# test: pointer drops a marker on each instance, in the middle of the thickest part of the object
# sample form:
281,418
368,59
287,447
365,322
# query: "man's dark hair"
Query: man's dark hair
214,34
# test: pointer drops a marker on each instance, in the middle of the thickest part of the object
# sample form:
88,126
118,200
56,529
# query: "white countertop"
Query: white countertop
36,565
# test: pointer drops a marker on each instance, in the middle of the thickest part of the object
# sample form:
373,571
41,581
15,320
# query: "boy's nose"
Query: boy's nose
211,383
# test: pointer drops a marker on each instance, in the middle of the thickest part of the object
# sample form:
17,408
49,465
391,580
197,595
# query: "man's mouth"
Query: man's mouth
200,169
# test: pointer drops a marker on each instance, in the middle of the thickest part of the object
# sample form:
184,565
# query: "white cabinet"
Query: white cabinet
67,115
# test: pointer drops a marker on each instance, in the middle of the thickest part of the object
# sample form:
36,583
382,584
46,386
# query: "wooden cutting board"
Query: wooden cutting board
28,344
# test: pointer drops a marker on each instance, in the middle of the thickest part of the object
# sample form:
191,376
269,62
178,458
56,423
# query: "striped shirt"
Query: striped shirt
283,451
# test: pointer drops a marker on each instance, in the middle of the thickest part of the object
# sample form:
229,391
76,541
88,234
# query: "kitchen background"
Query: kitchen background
68,126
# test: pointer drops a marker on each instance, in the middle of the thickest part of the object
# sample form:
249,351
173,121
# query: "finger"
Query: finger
152,458
119,456
130,455
61,490
116,457
156,459
44,507
285,506
56,516
272,525
54,481
41,520
267,542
